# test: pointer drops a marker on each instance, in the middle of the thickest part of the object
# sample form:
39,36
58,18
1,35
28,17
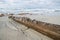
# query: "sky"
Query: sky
29,4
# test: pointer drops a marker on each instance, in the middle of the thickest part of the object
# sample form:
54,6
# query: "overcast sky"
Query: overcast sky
30,4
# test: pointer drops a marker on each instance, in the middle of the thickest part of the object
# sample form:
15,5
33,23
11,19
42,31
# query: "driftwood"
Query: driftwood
51,30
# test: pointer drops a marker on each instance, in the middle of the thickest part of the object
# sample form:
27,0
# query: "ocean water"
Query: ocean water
43,11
